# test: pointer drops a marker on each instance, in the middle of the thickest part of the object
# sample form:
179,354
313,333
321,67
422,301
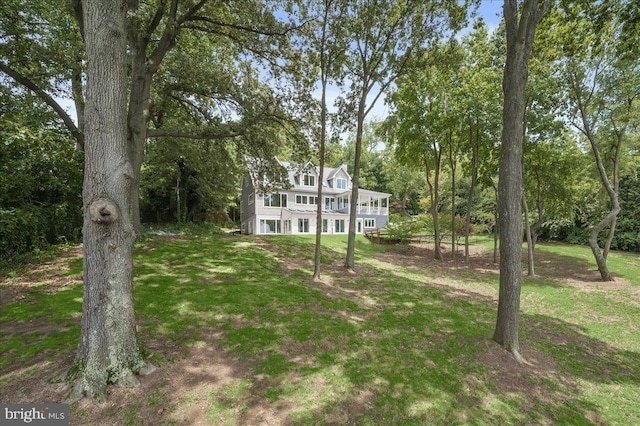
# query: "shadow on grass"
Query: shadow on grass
384,348
239,318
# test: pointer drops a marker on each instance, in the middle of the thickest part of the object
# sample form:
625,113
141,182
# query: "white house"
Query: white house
294,210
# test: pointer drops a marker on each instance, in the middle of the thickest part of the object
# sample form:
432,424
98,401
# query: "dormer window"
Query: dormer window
309,180
341,183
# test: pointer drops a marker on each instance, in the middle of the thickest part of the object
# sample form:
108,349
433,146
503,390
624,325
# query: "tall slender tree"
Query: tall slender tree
386,36
521,21
327,49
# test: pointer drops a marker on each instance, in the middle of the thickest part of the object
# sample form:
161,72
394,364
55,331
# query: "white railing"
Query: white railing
381,211
373,210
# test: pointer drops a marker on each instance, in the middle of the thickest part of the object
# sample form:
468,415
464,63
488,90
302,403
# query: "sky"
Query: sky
491,12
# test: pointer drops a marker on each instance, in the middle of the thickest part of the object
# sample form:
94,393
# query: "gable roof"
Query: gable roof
257,168
333,172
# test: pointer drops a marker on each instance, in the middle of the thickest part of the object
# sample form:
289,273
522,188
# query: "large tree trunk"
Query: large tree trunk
108,351
520,35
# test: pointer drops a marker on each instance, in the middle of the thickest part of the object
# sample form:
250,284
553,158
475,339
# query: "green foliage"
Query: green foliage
40,186
188,181
627,236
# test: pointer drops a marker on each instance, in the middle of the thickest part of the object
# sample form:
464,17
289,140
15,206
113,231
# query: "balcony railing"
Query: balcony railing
381,211
374,210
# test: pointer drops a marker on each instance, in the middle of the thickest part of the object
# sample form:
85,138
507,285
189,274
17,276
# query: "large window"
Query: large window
270,226
341,183
303,225
275,200
340,225
309,180
369,223
329,203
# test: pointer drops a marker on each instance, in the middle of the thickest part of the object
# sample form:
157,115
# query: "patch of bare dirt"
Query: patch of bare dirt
50,276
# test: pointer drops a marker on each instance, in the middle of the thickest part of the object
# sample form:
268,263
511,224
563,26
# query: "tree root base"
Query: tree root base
519,358
97,391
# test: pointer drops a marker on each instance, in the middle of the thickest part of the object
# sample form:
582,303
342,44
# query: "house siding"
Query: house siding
301,217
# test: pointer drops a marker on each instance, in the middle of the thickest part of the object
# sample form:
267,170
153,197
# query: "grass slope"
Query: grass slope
242,336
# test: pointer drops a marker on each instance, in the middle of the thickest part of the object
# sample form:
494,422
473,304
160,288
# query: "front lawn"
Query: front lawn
243,336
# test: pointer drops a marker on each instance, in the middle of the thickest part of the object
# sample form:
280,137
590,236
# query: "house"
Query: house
293,208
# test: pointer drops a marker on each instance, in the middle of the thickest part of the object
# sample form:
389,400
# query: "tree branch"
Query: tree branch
181,134
46,98
246,28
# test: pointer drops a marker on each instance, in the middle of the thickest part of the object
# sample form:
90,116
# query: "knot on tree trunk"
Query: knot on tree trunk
103,211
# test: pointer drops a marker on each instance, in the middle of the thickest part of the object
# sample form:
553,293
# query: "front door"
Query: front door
359,226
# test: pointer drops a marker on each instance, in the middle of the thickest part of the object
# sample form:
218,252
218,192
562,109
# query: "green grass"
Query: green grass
389,344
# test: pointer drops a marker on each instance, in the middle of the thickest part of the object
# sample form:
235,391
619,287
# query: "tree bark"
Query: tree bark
539,222
434,191
610,235
452,165
355,179
612,189
520,35
496,228
616,189
601,260
403,200
530,258
108,351
474,177
324,66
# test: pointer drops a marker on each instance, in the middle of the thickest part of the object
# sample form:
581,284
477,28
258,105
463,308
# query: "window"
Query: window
343,203
303,225
270,226
340,225
309,180
369,223
329,203
251,199
304,199
275,200
341,183
325,225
